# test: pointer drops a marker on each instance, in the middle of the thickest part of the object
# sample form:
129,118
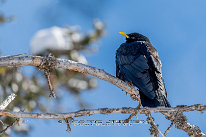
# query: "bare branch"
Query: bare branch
180,122
68,120
71,65
171,113
50,79
168,129
154,130
133,114
48,65
130,117
167,111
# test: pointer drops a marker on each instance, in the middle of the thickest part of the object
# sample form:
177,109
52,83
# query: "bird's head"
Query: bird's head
134,37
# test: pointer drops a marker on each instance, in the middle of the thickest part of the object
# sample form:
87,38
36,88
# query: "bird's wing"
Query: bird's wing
141,68
117,68
158,74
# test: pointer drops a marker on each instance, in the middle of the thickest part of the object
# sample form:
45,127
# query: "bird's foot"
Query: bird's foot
130,83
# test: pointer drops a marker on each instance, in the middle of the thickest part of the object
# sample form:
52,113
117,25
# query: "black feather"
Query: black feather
138,62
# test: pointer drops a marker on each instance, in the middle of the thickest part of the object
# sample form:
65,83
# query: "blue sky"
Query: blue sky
176,29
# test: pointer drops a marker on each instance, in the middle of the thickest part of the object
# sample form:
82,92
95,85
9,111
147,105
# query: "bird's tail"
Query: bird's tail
158,101
161,98
165,102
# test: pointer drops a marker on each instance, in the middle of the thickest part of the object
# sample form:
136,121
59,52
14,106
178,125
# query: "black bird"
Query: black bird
138,63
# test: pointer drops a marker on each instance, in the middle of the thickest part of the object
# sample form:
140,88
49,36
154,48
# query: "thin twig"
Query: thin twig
68,120
168,129
154,130
50,80
133,114
130,117
9,126
47,66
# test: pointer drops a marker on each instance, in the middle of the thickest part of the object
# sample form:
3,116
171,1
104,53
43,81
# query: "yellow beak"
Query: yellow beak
124,34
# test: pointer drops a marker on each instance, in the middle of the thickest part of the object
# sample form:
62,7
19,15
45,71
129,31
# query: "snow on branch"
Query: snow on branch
3,105
7,101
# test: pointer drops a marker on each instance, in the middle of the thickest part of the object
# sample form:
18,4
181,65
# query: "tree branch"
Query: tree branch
166,132
173,114
166,111
180,122
71,65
